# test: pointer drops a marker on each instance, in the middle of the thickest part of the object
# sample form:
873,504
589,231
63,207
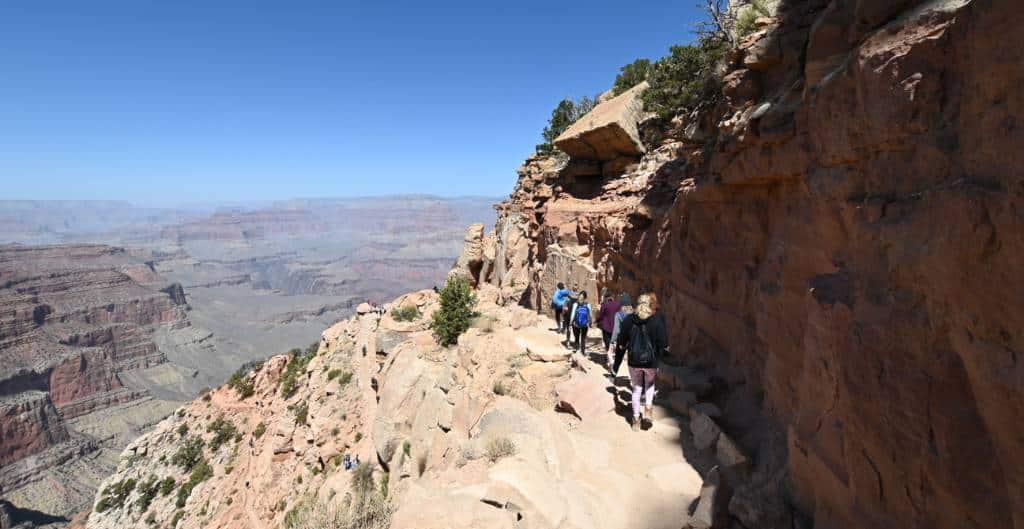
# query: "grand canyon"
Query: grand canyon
828,206
114,315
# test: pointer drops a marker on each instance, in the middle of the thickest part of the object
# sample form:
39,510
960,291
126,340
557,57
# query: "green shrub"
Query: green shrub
746,21
301,411
365,511
147,491
631,75
201,472
189,453
411,313
114,496
261,429
183,430
177,518
456,312
562,117
359,436
242,382
498,448
296,367
223,430
167,486
407,448
685,78
499,388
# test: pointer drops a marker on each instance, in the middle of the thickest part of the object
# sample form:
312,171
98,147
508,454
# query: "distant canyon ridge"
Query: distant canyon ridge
113,315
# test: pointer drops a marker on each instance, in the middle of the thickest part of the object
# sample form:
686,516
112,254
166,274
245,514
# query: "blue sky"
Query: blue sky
163,102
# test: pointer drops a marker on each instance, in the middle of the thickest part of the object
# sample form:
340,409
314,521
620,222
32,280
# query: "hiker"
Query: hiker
570,306
645,339
606,316
347,462
558,301
615,353
581,320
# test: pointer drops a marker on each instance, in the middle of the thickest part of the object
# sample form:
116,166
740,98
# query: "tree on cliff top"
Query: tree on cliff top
456,312
562,117
685,78
631,75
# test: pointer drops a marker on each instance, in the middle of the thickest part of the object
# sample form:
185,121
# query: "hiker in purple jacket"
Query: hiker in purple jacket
606,316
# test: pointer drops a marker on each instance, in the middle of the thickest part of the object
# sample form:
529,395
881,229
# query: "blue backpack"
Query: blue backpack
583,316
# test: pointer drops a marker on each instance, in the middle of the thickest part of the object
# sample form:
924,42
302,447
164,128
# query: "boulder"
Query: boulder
541,348
609,131
471,259
706,408
728,454
705,431
712,506
364,308
681,401
585,396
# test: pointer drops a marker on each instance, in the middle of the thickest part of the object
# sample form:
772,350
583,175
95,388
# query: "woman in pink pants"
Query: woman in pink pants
644,338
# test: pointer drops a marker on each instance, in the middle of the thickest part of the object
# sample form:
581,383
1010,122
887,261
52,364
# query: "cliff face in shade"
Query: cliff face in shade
839,240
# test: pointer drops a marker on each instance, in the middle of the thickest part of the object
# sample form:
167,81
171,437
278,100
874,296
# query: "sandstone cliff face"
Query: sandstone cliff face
837,240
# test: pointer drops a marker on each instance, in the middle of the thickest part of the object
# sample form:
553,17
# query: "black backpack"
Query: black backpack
641,349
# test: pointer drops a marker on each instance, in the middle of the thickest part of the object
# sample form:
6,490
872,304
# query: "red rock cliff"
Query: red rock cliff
838,240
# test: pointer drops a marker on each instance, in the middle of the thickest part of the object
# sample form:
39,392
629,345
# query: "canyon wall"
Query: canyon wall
837,239
75,317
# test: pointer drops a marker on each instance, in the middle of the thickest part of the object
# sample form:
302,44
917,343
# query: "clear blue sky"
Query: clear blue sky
183,101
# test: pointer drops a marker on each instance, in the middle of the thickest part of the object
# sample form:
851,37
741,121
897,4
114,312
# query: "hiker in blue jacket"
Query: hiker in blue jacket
558,301
582,318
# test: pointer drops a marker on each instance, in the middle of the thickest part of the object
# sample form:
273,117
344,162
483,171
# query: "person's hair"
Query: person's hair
561,285
644,306
583,295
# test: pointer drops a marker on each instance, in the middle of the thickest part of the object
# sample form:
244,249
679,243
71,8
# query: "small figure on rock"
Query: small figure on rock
645,339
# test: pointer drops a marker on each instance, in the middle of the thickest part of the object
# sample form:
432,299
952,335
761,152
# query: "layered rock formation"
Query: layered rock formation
74,319
836,239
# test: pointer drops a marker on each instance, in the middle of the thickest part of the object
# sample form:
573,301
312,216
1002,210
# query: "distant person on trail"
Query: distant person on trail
582,318
645,339
558,301
570,305
606,316
616,353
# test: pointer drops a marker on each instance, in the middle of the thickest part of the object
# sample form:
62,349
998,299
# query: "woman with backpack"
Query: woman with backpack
582,316
645,339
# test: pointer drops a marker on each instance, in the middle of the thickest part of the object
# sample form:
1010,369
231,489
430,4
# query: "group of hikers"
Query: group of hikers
637,333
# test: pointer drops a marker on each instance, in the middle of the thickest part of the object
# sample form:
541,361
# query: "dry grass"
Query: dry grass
499,447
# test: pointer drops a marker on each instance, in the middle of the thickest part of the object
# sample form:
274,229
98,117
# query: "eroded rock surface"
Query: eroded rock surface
837,243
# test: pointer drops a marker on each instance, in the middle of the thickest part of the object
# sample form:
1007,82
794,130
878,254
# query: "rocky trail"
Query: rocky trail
506,429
